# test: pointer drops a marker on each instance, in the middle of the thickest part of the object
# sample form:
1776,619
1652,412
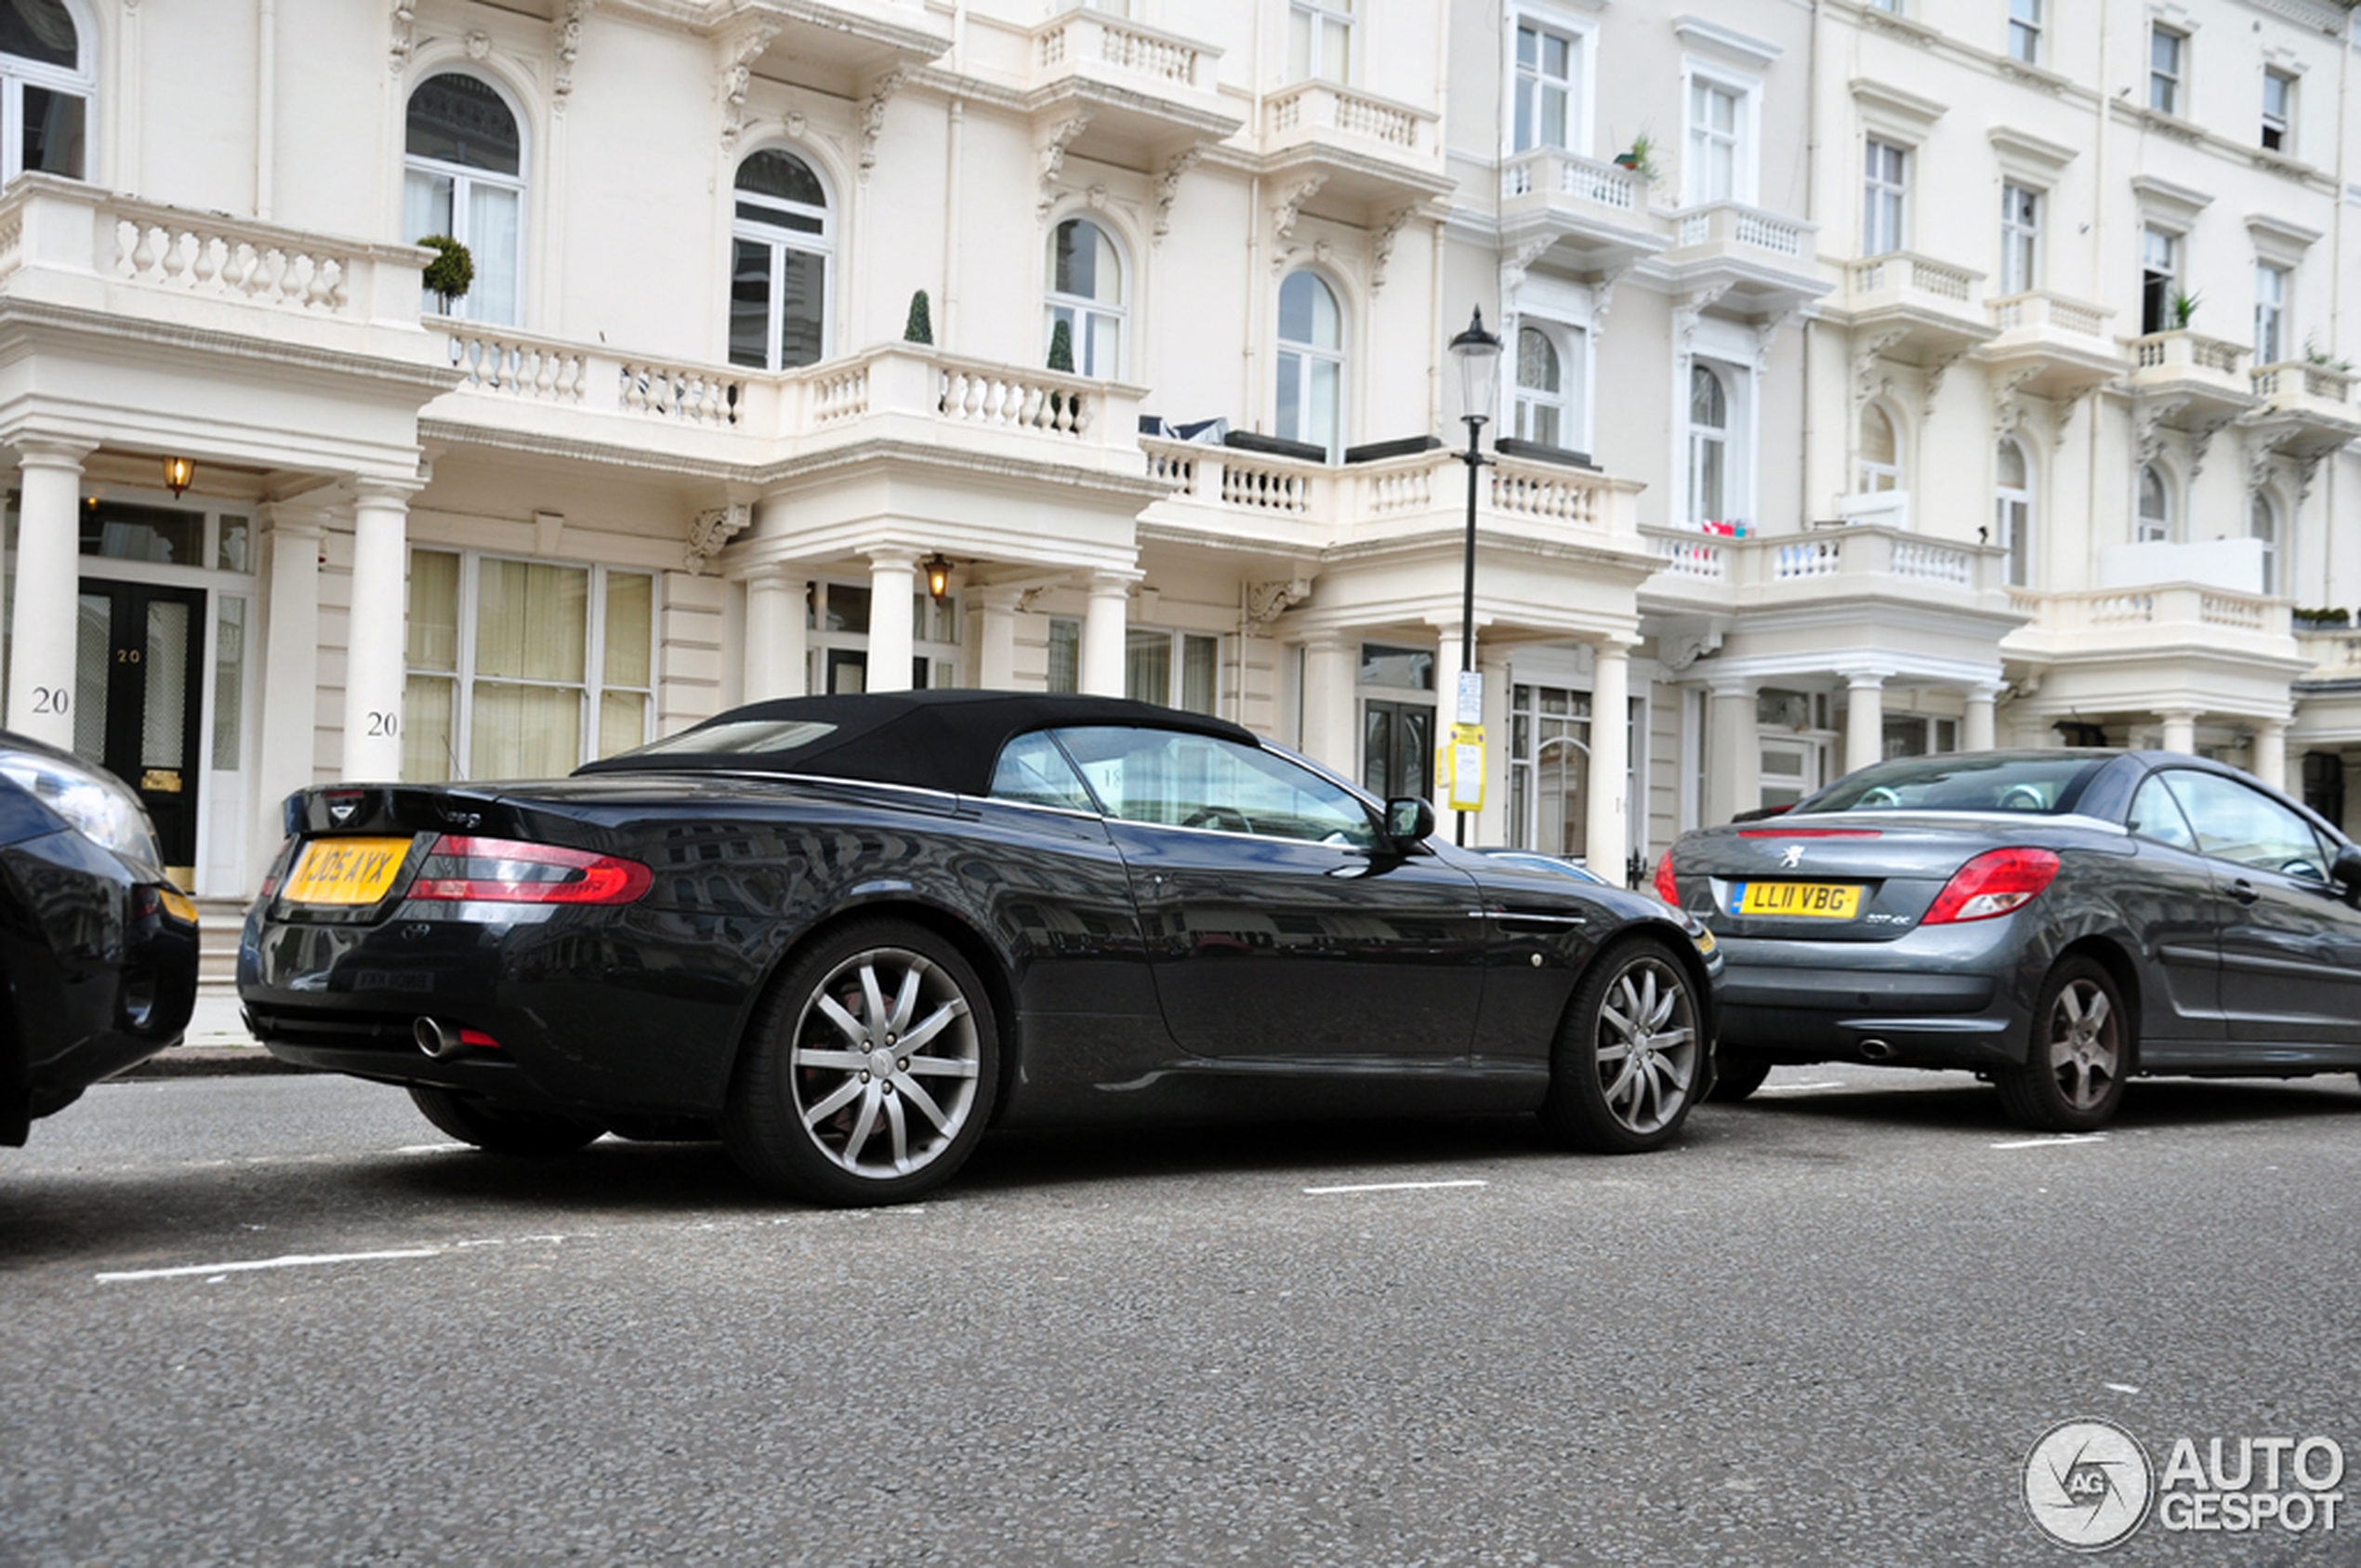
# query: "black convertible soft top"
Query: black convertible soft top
932,739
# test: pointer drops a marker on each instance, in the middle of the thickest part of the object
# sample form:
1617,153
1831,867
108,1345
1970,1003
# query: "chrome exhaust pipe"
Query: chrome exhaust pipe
439,1040
1871,1050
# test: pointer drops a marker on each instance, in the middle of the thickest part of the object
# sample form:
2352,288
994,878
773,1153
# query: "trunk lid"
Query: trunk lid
1830,879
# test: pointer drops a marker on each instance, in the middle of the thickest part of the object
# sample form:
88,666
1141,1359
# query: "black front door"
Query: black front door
139,686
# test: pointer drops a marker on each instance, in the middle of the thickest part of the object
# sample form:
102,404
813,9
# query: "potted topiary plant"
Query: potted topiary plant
1062,346
920,328
2185,305
451,273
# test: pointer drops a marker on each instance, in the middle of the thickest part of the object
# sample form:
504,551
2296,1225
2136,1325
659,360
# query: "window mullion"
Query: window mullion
463,677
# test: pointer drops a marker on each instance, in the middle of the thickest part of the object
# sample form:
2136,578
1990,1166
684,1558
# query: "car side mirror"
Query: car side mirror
2347,866
1409,818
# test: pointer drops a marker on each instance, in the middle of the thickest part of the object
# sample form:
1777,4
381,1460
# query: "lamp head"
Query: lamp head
1478,353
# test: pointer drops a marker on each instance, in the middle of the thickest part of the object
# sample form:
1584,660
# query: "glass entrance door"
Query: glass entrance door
138,671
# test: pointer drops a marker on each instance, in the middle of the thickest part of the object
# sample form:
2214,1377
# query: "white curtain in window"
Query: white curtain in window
493,218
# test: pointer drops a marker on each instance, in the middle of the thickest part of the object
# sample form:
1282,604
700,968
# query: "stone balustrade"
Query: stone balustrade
2158,613
2042,312
1827,563
1744,228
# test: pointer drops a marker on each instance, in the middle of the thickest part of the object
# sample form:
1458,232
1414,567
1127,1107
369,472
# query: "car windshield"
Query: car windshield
2043,786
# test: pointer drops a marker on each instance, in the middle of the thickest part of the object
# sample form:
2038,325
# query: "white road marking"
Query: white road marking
1394,1187
1795,1088
2059,1141
2120,1388
431,1147
297,1261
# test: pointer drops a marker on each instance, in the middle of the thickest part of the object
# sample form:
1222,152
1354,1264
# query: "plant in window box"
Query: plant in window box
451,273
2185,305
2314,354
2321,620
1640,158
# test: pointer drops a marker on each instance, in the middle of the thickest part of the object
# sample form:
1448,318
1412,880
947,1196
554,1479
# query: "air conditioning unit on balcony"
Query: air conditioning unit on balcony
1890,509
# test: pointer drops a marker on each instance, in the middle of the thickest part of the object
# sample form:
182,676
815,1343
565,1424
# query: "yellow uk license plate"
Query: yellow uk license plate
1826,901
346,871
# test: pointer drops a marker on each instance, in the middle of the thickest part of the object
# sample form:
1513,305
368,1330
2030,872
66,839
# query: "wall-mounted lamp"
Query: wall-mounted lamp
938,570
178,474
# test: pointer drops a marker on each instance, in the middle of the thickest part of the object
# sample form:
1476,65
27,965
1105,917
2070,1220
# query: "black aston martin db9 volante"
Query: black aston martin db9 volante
852,932
2058,921
97,950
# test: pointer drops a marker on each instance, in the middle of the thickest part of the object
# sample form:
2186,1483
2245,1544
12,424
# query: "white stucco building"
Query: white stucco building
1848,413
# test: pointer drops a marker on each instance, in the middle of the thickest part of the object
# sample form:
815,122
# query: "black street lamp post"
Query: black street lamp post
1478,353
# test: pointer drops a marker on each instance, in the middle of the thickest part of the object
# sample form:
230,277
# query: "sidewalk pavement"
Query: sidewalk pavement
215,1043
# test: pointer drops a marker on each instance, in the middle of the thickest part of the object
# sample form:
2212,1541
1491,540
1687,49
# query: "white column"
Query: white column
42,639
1103,638
1977,732
2271,753
1865,720
2180,729
893,586
1446,714
374,641
775,656
290,670
1734,753
1608,831
1330,736
997,611
1492,825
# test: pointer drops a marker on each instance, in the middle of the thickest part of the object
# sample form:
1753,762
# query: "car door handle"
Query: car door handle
2243,890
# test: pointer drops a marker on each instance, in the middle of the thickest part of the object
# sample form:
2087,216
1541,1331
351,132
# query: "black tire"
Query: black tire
1734,1077
1629,1054
817,1110
500,1129
2078,1053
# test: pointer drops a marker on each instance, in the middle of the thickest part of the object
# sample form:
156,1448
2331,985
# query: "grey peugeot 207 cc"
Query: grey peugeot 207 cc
2058,921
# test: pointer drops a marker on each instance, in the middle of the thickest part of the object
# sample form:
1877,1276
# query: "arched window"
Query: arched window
2263,522
1548,380
464,176
1881,452
2012,509
2155,506
780,244
1310,362
44,90
1085,293
1709,445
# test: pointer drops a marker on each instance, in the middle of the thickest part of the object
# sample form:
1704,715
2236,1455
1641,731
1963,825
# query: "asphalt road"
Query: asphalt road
276,1320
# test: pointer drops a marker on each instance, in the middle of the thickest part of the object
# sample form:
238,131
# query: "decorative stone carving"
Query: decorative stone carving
873,116
1052,158
1283,217
1602,300
1865,355
2062,410
1169,187
1930,383
737,71
1688,312
2200,436
1381,245
479,46
2148,415
2008,411
569,31
405,25
713,528
1766,333
1678,650
1267,601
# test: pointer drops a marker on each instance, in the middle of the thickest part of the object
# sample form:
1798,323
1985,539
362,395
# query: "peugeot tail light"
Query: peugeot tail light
1992,884
1666,888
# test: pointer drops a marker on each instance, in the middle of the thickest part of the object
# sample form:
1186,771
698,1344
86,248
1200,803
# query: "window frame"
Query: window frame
2025,37
2267,523
1570,345
2020,237
1320,17
2159,283
778,240
1698,436
1306,355
463,179
2277,133
1523,129
80,81
1866,471
2274,288
2167,85
1116,315
1276,764
1696,140
463,677
2149,528
1176,666
2013,511
1885,197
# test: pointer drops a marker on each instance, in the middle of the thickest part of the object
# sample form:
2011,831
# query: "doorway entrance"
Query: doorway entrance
139,691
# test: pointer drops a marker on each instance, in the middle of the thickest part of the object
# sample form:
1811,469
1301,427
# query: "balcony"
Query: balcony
1866,562
2191,381
2307,410
1596,213
1765,260
2050,345
1409,511
840,48
2153,621
530,393
1148,94
1367,152
1923,310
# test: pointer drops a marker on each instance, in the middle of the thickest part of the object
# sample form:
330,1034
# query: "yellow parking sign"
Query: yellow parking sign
1460,761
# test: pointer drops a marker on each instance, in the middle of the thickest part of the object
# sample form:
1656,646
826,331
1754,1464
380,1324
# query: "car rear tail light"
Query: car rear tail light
1666,888
510,871
1994,883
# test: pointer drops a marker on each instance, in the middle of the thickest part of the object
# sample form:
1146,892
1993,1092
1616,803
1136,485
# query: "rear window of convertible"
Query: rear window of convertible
2037,786
768,736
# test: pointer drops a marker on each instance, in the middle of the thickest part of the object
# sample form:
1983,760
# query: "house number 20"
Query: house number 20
381,723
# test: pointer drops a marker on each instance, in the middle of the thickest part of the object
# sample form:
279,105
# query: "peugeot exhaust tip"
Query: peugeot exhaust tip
1871,1050
439,1040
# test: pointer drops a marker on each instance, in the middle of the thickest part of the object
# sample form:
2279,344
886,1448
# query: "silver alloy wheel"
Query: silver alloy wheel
2086,1054
1647,1047
884,1064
